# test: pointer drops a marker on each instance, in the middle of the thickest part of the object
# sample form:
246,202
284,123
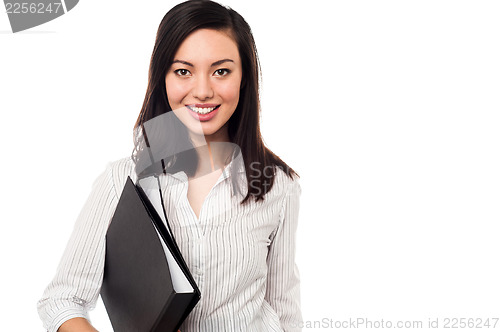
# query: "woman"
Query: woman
239,244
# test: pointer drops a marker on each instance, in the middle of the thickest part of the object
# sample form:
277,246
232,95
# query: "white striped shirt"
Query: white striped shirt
242,257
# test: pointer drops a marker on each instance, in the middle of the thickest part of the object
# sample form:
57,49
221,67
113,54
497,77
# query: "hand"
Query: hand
76,324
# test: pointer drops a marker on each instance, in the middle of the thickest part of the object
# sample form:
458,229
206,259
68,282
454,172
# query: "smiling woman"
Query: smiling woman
233,211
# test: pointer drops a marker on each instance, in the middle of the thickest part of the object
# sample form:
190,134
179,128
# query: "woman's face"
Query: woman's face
203,83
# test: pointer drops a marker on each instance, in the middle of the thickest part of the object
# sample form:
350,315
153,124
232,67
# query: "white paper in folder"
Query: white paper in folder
151,186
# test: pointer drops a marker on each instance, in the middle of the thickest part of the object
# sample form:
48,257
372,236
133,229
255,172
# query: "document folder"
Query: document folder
147,286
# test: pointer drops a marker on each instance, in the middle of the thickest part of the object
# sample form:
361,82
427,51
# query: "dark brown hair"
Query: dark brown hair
243,126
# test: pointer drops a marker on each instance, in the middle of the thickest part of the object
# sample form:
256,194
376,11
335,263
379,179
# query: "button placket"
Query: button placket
201,221
199,264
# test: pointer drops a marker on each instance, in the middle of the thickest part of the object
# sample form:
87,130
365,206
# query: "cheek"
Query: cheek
230,93
175,92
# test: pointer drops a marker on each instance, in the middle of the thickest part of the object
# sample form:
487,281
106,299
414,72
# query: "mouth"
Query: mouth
202,110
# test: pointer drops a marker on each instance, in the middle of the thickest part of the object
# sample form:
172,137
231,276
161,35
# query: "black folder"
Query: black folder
138,288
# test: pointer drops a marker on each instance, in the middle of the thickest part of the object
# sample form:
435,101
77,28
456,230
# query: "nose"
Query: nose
202,88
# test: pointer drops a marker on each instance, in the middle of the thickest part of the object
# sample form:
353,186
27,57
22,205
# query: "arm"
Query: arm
283,283
75,288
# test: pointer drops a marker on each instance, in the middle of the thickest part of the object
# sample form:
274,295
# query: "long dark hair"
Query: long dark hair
243,126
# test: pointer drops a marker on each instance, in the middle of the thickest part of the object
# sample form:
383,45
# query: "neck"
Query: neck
214,151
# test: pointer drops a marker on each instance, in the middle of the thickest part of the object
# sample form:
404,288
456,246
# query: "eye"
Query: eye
181,72
222,72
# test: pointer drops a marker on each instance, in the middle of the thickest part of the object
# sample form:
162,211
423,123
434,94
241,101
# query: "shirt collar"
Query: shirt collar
236,162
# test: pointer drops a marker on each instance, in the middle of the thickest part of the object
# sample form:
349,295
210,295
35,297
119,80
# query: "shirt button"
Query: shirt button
78,300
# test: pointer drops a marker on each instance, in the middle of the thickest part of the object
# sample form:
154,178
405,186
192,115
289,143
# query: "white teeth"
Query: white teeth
202,110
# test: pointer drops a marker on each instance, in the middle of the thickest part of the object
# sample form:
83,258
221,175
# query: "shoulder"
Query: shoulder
285,184
122,167
117,171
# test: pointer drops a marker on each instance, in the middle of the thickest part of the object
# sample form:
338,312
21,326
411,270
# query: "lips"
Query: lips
203,105
203,113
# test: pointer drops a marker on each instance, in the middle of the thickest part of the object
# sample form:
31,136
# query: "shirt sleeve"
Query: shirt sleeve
75,288
283,280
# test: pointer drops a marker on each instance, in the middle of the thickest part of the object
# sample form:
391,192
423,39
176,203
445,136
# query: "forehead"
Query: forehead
205,45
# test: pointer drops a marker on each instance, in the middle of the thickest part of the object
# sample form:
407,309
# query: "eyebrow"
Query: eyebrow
216,63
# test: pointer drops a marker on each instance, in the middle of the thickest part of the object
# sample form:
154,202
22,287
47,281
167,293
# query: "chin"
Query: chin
204,130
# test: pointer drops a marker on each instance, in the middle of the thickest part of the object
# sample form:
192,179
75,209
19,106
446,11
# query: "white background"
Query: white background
389,111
